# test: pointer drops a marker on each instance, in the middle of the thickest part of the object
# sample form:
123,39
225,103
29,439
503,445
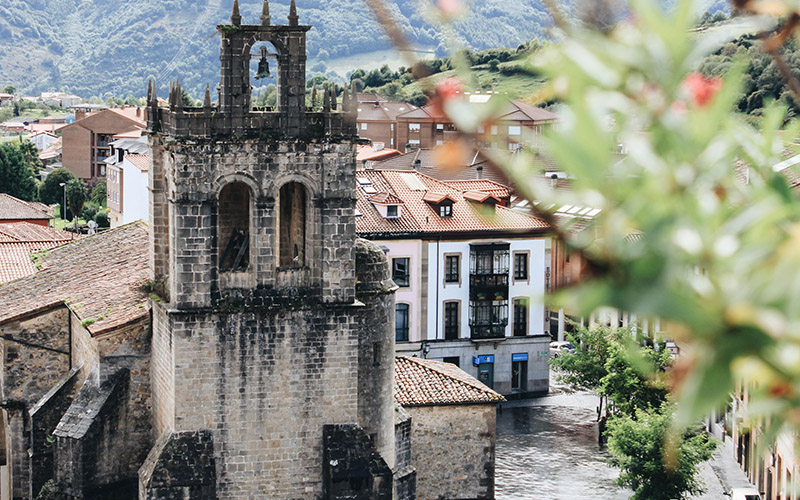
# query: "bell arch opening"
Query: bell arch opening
293,217
234,227
263,67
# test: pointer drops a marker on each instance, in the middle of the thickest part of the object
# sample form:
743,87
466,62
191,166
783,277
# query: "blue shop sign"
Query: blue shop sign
482,360
520,356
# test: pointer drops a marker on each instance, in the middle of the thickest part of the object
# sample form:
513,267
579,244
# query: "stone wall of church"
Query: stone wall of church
453,450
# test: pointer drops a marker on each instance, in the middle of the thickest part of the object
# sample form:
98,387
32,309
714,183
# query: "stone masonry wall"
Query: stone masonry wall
199,169
453,451
376,347
162,374
265,383
35,357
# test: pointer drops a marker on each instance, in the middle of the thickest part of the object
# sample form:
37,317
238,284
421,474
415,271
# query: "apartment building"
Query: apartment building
470,272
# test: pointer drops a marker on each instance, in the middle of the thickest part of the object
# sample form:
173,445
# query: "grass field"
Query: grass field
369,61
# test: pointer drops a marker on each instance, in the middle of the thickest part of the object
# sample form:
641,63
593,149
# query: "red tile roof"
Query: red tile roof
368,153
479,196
419,216
138,161
25,231
479,167
382,111
434,197
98,277
385,199
495,189
15,209
425,382
15,258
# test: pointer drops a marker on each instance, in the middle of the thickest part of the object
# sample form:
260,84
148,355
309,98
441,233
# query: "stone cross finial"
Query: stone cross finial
345,99
178,96
293,14
333,97
326,99
236,18
207,100
265,19
314,96
149,91
171,98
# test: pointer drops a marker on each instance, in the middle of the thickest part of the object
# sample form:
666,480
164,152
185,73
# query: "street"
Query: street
547,449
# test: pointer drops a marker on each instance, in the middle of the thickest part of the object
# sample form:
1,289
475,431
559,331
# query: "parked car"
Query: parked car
745,494
557,348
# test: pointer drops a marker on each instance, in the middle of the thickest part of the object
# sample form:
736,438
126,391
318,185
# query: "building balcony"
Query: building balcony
488,286
487,331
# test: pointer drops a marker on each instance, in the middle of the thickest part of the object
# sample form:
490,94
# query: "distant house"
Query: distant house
18,240
15,210
453,428
471,274
60,99
86,142
428,126
6,99
42,140
475,165
368,156
377,119
128,197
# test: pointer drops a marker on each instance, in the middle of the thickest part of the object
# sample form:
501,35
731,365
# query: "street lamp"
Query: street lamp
64,205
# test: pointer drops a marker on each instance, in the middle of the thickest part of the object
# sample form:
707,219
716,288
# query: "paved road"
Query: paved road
547,449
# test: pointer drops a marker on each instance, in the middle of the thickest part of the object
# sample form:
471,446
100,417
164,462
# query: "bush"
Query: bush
88,213
101,218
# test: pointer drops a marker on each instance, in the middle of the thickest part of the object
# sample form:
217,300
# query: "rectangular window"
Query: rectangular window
452,270
414,141
494,129
391,212
519,375
413,127
520,266
481,130
445,210
514,130
401,322
452,359
439,142
451,321
401,271
363,126
520,317
439,126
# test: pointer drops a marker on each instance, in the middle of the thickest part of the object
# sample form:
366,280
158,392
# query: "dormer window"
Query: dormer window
388,205
441,202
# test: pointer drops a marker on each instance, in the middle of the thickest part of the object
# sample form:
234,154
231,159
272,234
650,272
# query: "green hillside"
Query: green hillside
111,47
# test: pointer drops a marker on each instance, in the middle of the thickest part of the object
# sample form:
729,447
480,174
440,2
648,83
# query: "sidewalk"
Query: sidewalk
721,473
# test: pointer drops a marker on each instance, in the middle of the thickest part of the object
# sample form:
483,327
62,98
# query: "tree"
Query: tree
16,178
10,89
31,155
635,376
76,197
50,192
99,193
637,447
188,101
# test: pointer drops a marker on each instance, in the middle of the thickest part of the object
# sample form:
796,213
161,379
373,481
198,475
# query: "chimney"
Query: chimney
553,180
479,172
378,146
417,164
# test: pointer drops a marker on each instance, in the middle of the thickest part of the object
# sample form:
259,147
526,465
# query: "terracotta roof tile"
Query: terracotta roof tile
98,277
385,199
419,216
480,167
479,196
15,209
15,258
26,231
138,161
425,382
496,189
434,197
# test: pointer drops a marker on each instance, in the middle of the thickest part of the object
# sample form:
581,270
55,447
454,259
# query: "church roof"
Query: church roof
98,277
425,382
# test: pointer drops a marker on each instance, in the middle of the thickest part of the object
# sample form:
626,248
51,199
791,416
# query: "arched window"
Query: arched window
234,227
292,225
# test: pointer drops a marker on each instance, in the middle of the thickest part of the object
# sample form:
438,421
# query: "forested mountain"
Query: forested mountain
104,47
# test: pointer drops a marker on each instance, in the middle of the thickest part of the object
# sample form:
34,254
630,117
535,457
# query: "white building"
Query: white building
127,194
470,272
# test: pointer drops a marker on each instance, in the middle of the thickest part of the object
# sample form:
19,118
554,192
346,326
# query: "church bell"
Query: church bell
263,65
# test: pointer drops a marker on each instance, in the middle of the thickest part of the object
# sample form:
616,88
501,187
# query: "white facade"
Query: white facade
135,194
493,360
42,140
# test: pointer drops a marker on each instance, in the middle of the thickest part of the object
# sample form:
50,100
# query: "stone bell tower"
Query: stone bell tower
271,368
